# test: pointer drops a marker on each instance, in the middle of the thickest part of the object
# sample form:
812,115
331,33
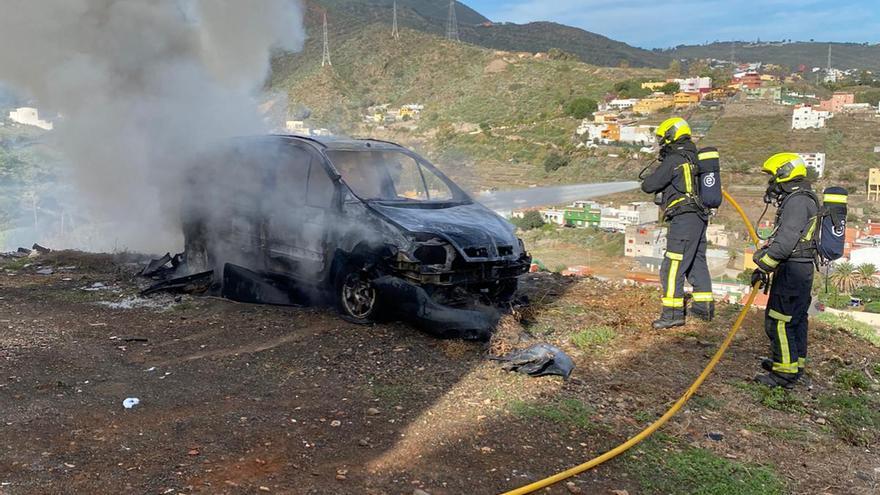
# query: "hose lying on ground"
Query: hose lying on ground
611,454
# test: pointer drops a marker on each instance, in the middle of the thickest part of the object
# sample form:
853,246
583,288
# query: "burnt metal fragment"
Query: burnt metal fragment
539,360
191,284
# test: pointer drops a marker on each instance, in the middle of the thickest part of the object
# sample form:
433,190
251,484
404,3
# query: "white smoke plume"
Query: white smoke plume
143,86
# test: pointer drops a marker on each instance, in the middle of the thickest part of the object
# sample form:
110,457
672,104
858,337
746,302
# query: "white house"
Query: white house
553,216
621,103
816,161
694,84
29,116
637,134
865,255
618,219
805,117
644,241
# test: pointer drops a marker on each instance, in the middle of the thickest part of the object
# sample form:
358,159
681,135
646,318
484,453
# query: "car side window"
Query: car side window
292,174
321,189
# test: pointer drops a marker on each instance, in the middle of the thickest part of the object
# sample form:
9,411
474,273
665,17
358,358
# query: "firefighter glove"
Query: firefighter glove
761,280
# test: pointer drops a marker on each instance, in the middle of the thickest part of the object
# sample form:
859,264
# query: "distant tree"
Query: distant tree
866,274
670,88
581,108
744,277
624,64
557,54
630,88
555,161
674,69
812,174
530,220
845,277
871,96
486,127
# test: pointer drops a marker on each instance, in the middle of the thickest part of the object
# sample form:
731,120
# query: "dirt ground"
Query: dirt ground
250,399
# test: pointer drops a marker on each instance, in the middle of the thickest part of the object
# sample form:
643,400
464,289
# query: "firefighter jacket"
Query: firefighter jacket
676,179
793,238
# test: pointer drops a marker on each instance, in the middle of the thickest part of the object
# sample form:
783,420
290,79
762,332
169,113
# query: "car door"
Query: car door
297,209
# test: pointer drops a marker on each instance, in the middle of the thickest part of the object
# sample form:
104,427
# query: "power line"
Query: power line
452,23
394,32
325,58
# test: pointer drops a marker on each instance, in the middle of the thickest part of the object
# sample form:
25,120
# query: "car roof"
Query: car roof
341,143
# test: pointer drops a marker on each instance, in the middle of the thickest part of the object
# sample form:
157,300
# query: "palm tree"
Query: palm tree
845,277
866,274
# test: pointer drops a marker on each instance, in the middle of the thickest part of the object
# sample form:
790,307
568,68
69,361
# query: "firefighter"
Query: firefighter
789,256
676,190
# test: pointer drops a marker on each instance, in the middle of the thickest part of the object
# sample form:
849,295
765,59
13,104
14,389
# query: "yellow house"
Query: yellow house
769,77
653,104
653,85
874,184
747,263
684,100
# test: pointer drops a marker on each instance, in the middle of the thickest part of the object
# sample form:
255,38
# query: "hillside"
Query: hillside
518,99
811,54
427,16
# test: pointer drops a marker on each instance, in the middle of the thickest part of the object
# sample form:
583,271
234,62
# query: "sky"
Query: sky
663,24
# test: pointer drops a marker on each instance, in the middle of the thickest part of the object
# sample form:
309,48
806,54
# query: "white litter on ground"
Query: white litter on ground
130,402
138,302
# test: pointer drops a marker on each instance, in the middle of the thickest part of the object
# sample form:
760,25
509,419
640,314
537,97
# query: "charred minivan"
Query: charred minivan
370,222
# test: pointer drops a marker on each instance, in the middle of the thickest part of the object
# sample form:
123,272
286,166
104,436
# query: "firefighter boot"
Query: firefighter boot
774,380
703,310
669,318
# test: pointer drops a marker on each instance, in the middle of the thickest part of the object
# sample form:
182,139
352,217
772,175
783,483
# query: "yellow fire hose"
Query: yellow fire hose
611,454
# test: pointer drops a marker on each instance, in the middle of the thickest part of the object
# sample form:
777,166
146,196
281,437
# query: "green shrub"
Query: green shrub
852,380
873,307
594,336
661,468
570,412
555,161
581,108
531,219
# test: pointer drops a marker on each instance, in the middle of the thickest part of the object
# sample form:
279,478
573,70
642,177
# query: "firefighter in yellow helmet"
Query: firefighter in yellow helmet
674,183
788,255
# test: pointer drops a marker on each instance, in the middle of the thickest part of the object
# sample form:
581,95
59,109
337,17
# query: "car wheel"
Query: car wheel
356,297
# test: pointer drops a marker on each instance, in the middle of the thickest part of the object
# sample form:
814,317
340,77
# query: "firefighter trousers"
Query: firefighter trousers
686,259
785,319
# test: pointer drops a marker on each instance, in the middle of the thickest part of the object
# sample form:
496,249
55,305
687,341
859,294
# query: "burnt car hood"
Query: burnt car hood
477,232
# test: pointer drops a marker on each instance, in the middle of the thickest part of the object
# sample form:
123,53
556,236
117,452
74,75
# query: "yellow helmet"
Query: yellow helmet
671,130
785,167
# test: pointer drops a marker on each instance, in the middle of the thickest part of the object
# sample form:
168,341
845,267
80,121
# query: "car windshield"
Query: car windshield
391,176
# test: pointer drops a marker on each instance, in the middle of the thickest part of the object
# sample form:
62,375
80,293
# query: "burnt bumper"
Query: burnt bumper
412,304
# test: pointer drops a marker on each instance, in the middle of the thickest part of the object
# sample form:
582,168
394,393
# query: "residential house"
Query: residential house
685,100
654,104
694,84
582,217
717,235
553,216
641,135
806,117
621,104
644,241
874,184
29,116
654,85
816,161
618,219
837,101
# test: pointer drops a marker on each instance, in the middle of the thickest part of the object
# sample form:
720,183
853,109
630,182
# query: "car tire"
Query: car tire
357,299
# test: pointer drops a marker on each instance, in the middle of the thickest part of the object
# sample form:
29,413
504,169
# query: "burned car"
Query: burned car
371,223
